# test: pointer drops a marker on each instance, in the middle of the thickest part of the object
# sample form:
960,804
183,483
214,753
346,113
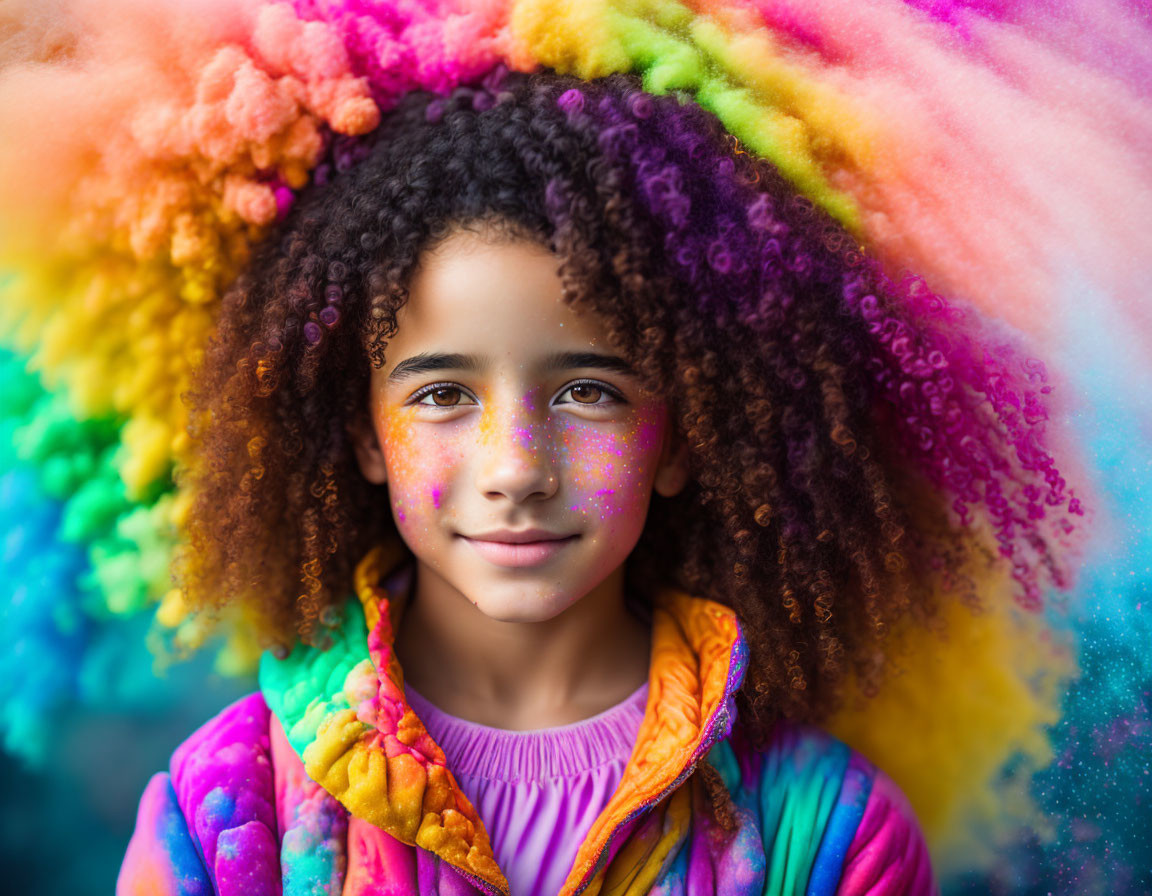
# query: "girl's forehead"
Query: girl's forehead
492,298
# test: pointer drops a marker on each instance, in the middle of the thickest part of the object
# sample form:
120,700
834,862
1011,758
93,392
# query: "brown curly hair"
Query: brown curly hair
840,426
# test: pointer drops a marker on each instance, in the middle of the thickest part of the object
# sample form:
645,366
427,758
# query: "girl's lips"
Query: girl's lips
528,553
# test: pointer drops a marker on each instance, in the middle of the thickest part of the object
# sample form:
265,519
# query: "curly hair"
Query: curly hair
844,428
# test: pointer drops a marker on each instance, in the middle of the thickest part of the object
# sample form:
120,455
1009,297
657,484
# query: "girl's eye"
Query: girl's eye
442,396
591,393
585,394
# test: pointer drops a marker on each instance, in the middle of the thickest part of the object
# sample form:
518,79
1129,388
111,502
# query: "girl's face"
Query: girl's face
519,450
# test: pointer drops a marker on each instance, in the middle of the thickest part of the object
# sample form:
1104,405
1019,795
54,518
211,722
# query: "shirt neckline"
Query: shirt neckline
535,755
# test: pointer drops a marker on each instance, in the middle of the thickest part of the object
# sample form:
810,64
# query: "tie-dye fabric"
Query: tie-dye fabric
327,782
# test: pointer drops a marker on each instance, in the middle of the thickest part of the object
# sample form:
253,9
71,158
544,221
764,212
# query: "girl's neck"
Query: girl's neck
521,676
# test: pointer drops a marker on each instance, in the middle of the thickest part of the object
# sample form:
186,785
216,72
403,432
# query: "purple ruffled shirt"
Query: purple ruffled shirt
537,792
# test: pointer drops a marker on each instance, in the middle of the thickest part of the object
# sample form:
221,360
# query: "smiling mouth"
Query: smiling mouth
519,554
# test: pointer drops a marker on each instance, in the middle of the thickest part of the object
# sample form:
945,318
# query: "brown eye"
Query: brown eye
445,397
586,394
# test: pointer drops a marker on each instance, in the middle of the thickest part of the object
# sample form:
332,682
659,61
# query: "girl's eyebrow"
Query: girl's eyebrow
566,360
426,362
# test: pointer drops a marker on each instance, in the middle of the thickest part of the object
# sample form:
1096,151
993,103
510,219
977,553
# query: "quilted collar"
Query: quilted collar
346,715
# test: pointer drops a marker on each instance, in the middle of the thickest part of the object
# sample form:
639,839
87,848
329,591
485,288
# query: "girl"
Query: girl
629,456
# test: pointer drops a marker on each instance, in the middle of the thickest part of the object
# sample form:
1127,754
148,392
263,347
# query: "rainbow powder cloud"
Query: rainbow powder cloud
998,149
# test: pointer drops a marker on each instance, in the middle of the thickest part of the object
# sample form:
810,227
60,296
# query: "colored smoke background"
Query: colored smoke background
1002,149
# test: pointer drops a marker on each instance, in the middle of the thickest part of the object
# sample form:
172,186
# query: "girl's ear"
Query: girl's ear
367,448
672,473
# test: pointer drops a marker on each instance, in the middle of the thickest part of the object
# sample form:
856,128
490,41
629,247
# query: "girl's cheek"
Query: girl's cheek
610,473
421,463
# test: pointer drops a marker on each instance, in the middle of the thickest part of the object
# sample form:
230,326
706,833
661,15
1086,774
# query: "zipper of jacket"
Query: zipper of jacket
721,717
735,672
478,882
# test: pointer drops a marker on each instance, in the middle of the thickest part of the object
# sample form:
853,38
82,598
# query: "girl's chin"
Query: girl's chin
519,608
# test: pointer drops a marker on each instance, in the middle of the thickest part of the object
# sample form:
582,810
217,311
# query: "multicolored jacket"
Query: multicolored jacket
326,782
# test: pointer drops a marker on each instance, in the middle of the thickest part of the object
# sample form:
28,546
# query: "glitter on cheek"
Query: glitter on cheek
612,502
396,427
595,442
421,458
650,435
608,469
600,477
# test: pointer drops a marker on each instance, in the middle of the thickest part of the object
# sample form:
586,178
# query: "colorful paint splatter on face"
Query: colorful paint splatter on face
606,467
600,463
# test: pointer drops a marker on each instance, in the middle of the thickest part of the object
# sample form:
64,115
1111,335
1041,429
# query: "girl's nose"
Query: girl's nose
516,461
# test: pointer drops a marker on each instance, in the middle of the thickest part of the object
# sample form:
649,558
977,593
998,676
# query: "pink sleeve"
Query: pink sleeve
209,826
888,856
161,860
